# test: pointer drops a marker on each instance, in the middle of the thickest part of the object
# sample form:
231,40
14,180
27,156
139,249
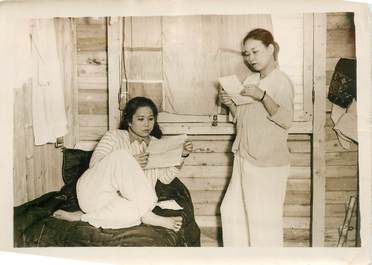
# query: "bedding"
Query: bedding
34,225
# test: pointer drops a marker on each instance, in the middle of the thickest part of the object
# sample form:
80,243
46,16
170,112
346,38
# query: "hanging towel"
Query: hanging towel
345,121
48,107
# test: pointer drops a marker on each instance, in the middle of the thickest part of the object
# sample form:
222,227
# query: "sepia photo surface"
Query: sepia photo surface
74,76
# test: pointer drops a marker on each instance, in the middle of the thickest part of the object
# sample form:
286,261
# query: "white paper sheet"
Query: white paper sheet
233,86
165,152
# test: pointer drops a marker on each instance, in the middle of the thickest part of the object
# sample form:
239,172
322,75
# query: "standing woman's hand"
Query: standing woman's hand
225,98
252,91
187,148
142,159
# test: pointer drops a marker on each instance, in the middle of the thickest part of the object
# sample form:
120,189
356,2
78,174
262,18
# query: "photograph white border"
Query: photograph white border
99,8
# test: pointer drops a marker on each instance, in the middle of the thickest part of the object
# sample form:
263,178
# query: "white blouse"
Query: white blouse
261,138
119,139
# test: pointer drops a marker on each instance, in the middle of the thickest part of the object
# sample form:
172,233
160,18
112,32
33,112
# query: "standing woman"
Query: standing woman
252,208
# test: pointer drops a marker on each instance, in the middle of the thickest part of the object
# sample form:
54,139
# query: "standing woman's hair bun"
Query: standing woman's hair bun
265,36
276,50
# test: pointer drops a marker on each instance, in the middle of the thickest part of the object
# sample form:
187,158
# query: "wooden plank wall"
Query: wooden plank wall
208,169
37,169
341,164
92,77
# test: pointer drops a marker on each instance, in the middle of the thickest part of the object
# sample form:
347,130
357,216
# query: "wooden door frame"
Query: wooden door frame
318,136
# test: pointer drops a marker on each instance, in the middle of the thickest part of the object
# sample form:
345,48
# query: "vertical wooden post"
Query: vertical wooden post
75,103
29,131
67,45
114,58
319,118
308,54
20,191
74,137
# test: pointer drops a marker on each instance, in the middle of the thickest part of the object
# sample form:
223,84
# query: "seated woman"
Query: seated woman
117,191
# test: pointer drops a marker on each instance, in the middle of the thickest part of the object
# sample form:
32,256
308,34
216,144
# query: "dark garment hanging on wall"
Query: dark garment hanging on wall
342,89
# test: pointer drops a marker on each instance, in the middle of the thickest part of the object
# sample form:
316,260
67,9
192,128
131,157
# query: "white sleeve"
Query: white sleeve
103,148
284,98
165,175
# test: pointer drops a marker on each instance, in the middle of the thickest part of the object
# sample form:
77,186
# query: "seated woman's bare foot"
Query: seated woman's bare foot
69,216
173,223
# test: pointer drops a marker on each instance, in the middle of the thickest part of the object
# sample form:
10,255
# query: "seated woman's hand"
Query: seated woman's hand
252,91
187,148
142,159
225,98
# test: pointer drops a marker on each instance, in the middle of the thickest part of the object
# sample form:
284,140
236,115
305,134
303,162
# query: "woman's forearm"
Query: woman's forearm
179,167
232,109
270,105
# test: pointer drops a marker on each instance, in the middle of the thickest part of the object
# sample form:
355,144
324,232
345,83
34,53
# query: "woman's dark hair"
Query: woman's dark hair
265,37
131,108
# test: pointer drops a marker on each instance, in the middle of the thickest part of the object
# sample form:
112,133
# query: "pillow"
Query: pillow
75,162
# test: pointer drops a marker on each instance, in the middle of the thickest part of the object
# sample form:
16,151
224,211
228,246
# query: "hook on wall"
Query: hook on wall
59,142
215,120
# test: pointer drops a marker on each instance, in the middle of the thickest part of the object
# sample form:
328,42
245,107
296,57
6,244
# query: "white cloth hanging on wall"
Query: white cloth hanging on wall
48,107
345,121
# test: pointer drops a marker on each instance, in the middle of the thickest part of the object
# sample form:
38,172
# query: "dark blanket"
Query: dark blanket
35,227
